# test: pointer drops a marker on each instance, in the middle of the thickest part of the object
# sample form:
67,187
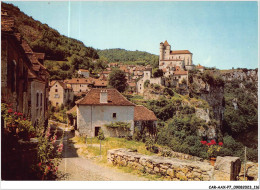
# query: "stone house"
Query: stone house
83,72
101,107
200,68
168,57
147,77
145,118
80,84
38,86
24,79
60,93
180,75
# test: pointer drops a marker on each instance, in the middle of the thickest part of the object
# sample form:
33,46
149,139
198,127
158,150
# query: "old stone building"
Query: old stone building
172,58
24,80
83,72
105,106
60,93
80,84
147,77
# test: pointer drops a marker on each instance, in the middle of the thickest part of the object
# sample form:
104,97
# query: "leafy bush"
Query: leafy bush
146,83
101,135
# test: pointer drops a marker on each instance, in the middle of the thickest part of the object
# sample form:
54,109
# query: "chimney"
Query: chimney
103,96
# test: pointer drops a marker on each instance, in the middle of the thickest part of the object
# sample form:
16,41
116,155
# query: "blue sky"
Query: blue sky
223,34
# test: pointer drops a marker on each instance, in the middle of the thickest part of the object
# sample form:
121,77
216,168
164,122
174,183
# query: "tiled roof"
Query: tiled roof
199,66
80,81
18,36
131,84
83,70
72,110
63,85
102,77
180,52
172,60
143,114
166,43
26,47
114,98
39,55
180,72
106,72
7,23
101,83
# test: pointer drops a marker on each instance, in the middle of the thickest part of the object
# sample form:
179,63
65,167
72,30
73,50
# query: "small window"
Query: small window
56,90
114,115
56,85
37,99
179,77
41,99
56,96
57,103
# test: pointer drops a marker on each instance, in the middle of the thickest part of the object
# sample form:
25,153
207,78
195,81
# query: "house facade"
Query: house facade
104,106
24,80
147,76
60,93
80,84
83,72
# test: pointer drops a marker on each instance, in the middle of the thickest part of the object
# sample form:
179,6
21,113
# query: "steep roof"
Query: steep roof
39,55
114,98
80,81
100,83
199,66
63,85
166,43
7,22
72,110
143,114
180,72
180,52
83,70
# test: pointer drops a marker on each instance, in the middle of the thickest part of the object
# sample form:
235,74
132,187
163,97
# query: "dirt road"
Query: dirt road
75,168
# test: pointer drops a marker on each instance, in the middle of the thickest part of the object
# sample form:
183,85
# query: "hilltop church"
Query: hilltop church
169,59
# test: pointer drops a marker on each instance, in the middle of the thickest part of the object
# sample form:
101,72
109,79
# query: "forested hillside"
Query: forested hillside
64,55
129,57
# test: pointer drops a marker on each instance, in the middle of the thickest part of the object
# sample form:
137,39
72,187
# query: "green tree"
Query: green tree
157,72
117,79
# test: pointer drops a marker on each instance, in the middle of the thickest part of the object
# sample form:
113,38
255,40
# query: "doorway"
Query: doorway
96,131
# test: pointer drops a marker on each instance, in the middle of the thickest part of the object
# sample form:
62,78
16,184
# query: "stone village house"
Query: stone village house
83,72
105,106
24,80
60,93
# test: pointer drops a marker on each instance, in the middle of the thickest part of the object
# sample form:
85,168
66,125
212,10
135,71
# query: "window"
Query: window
37,99
179,77
57,103
56,85
56,90
114,115
41,99
56,96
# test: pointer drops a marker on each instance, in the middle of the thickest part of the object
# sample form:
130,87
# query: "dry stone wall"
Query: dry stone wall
173,168
225,169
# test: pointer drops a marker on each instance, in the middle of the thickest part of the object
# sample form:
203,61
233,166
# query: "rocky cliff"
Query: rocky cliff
211,89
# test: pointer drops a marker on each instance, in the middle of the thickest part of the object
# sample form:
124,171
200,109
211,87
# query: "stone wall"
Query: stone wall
172,168
225,169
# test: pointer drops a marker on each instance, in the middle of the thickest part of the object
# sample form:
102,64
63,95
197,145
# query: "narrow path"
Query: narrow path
75,168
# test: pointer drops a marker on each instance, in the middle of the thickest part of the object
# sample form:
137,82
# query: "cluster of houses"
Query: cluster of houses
25,85
24,79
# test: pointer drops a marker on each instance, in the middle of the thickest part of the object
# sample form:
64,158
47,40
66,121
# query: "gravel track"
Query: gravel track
75,168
